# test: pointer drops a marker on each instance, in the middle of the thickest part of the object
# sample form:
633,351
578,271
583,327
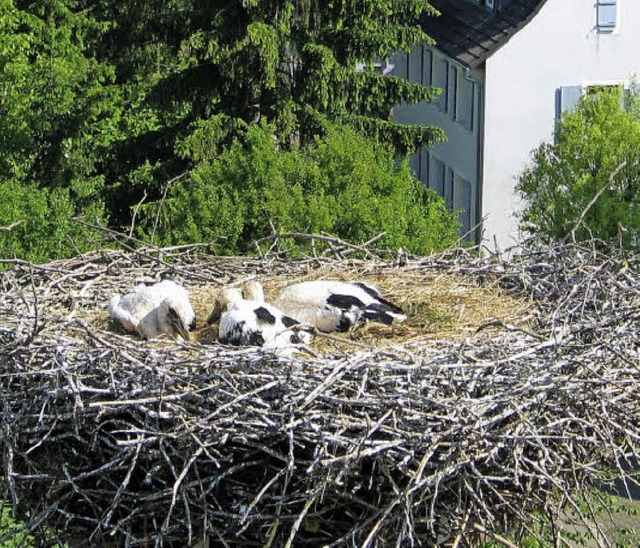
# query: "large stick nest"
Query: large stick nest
512,384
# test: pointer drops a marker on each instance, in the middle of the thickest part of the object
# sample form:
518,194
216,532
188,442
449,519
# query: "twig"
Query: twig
300,236
494,536
572,232
164,196
135,214
12,225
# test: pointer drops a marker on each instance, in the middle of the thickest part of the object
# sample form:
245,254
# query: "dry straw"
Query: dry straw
512,385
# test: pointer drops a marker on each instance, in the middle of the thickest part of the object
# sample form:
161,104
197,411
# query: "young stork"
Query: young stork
155,310
335,305
249,321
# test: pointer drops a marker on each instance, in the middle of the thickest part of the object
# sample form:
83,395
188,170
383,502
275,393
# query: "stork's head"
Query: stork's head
252,291
226,298
175,319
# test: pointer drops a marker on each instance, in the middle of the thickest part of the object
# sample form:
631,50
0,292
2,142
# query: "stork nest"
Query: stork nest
513,384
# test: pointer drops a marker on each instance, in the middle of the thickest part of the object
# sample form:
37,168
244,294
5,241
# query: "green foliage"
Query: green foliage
7,523
341,183
104,102
601,511
195,74
36,223
565,176
51,96
53,99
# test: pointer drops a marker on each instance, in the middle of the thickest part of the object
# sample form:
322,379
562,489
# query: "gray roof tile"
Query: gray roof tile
471,33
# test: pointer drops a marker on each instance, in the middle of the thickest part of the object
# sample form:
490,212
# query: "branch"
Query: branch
12,225
572,233
327,239
162,200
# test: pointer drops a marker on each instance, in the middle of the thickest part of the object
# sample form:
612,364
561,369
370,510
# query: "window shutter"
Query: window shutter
440,71
415,65
569,98
462,201
436,174
427,58
453,92
448,187
607,15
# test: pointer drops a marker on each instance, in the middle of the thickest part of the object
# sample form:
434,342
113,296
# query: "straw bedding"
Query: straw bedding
512,384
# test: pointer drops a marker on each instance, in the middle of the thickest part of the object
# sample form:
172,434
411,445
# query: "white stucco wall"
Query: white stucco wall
559,47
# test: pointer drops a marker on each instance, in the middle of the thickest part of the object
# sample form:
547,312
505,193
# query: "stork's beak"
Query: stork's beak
218,308
178,326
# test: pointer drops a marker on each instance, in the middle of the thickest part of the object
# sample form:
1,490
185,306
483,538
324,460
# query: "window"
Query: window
607,15
453,92
415,65
568,97
440,80
605,88
617,90
436,175
466,103
427,59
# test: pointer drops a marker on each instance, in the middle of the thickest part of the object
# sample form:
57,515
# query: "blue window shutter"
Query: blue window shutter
436,174
607,15
427,73
569,97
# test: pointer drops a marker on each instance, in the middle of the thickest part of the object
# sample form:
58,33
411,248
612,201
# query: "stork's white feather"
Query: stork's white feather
335,305
253,291
250,321
160,309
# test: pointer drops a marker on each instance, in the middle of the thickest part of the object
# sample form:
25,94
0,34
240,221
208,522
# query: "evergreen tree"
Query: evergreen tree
197,73
51,96
105,102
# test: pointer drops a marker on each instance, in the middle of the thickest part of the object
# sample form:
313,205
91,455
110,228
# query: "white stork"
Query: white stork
335,305
249,321
160,309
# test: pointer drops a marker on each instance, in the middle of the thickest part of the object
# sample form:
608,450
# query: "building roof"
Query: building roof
471,33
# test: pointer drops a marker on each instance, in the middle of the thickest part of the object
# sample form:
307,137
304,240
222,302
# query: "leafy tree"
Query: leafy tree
51,97
197,73
341,183
587,182
36,225
104,102
52,117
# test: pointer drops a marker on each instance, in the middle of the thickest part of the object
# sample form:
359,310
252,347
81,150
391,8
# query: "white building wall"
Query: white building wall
561,46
